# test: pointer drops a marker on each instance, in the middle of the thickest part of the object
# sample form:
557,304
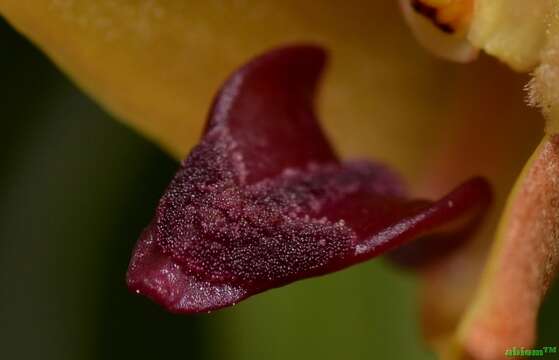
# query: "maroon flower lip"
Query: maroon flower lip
263,200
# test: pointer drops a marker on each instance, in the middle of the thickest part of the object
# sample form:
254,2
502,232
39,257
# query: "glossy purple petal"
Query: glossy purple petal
263,200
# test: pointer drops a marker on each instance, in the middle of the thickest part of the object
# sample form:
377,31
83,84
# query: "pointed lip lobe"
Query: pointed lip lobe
157,277
263,200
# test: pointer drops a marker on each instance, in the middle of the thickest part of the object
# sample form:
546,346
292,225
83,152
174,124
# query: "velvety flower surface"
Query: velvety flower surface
263,200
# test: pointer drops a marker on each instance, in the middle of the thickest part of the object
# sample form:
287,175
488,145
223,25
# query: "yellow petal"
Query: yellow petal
511,30
523,262
157,64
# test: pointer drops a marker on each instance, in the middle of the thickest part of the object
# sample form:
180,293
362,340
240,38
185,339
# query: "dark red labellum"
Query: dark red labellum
263,200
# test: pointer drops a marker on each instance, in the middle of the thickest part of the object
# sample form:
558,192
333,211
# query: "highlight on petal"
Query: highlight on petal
523,262
442,26
263,200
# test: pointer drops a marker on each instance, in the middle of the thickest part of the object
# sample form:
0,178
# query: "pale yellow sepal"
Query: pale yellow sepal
514,31
544,86
511,30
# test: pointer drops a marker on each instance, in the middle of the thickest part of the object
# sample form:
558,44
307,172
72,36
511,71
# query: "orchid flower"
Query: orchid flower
158,65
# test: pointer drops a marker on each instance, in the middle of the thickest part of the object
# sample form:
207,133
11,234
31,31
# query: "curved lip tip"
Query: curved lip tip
180,293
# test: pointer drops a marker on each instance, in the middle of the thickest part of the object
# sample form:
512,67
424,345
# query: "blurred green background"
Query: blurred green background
77,187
